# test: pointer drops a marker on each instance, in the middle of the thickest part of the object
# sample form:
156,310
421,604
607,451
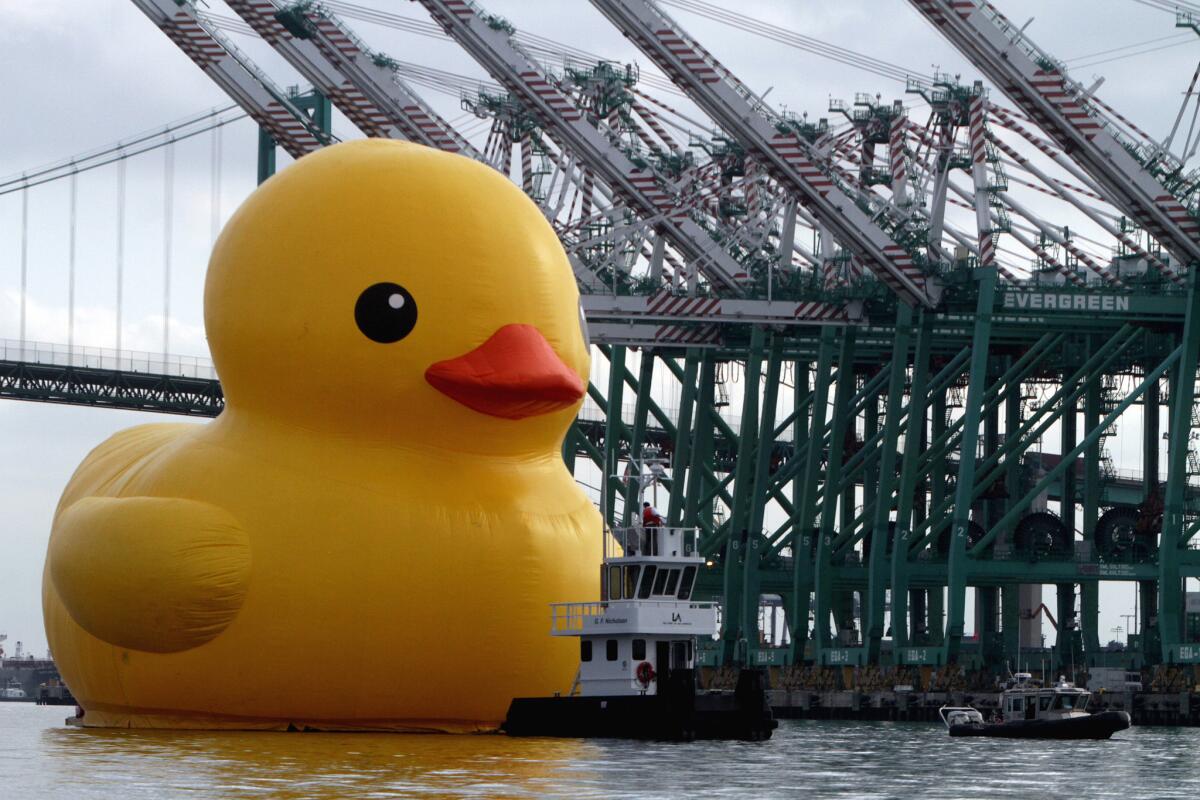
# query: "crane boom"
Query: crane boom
230,69
1040,86
789,158
489,41
363,86
366,89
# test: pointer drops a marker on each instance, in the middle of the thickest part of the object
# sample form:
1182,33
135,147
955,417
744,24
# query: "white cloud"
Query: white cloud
95,326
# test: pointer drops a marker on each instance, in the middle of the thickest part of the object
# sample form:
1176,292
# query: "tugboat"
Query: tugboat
12,691
1031,711
637,650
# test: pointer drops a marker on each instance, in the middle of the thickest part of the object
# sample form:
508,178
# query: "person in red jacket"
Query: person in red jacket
650,517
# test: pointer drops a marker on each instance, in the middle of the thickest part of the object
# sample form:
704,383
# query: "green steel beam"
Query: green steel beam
702,447
918,405
733,641
613,429
956,571
798,626
1170,579
1090,437
640,417
803,571
877,566
842,419
1031,429
683,437
753,551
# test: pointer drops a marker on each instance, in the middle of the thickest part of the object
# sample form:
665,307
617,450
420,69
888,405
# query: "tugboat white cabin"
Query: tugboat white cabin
646,623
637,647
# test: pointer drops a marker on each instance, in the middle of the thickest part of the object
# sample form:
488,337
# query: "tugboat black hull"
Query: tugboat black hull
1094,726
677,713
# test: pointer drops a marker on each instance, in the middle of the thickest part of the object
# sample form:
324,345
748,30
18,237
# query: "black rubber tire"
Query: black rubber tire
1042,535
1116,535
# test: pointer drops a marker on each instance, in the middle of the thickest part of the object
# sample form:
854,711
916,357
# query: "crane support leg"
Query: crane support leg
881,530
842,418
1183,396
759,496
683,436
612,429
734,636
803,561
956,576
914,438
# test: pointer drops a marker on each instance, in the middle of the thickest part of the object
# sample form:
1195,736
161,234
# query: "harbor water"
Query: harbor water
42,758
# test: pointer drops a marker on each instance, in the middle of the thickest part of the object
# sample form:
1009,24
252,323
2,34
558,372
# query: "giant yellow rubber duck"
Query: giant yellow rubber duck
368,537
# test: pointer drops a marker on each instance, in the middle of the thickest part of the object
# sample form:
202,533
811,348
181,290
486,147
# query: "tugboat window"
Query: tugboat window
647,580
585,650
672,581
1044,702
660,582
1014,704
614,583
631,576
639,649
610,647
685,585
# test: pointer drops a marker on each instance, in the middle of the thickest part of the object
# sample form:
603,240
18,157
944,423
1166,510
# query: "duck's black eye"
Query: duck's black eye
385,312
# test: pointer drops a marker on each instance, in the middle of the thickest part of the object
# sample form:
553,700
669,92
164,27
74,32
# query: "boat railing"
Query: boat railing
666,542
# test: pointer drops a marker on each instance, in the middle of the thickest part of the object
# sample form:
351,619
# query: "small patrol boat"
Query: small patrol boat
1030,711
637,653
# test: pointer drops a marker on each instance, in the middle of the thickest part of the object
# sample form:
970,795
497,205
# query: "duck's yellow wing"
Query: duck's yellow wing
159,574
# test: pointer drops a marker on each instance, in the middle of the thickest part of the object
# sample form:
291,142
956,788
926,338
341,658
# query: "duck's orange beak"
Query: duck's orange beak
513,375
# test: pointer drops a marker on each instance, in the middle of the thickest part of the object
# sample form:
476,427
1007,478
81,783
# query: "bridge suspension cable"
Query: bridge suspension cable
106,154
24,258
168,226
217,157
71,261
120,246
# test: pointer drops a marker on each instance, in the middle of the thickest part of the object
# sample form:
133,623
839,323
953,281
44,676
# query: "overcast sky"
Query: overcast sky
79,75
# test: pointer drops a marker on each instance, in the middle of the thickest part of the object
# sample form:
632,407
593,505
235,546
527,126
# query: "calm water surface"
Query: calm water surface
41,758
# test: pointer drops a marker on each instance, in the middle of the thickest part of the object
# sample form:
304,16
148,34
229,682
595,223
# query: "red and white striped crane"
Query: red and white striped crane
641,187
1065,110
368,91
788,157
339,66
248,86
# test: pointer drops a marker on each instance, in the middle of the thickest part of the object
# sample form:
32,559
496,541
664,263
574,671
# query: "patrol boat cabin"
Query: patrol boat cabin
1025,698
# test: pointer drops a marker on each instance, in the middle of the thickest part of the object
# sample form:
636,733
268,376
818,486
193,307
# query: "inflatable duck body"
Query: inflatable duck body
369,535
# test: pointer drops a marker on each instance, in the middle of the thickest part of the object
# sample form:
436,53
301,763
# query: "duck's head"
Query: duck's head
390,291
